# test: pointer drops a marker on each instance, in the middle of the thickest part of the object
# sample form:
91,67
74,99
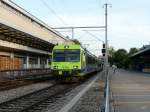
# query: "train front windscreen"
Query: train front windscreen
66,55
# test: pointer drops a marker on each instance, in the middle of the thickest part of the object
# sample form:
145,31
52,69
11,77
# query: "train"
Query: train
72,61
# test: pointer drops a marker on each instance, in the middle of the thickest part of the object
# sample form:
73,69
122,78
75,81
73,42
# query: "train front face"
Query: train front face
66,60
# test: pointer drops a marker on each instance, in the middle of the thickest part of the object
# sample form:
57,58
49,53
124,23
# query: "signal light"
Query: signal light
103,46
103,51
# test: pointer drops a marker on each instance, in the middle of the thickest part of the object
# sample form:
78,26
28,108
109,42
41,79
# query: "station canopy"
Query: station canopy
145,51
16,36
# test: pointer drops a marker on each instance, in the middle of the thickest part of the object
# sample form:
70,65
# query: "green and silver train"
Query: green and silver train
72,60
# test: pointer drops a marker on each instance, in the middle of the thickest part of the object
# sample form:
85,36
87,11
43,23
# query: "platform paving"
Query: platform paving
131,91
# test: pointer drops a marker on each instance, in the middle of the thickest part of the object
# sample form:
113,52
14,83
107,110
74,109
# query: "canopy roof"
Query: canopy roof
13,35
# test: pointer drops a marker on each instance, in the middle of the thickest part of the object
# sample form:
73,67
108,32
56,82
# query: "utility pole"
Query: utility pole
107,106
72,31
106,40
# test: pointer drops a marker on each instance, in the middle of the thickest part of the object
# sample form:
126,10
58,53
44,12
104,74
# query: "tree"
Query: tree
111,52
121,58
132,51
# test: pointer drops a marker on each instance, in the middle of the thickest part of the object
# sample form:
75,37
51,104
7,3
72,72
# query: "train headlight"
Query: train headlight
55,67
66,46
75,67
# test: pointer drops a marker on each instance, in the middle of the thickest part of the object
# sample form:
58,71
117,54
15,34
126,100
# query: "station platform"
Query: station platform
131,91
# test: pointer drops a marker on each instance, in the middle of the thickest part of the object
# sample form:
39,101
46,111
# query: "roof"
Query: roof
143,50
10,34
30,16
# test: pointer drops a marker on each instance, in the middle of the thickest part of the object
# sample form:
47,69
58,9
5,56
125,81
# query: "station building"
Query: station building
141,59
25,41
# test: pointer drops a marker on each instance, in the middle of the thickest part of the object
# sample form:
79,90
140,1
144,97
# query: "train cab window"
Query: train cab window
73,55
66,55
58,56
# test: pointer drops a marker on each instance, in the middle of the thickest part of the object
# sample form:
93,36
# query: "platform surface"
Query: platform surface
131,91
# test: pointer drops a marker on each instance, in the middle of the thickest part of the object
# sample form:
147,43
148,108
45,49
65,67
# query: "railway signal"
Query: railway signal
103,49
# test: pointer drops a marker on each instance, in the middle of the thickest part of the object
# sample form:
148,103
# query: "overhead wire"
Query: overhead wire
53,11
94,36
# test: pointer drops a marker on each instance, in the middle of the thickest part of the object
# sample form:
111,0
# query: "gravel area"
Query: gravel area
92,100
63,99
94,94
17,92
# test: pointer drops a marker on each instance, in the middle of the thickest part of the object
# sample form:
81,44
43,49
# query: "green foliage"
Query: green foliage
132,51
121,58
111,52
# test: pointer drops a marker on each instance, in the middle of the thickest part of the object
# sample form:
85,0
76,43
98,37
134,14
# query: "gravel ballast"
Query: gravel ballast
17,92
92,100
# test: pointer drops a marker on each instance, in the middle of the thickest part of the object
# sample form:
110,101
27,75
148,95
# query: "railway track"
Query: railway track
10,84
36,101
6,83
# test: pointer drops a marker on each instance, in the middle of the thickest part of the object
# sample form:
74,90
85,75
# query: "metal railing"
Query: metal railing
107,92
109,102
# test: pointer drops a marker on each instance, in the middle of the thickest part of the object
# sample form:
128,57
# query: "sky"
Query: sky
128,20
